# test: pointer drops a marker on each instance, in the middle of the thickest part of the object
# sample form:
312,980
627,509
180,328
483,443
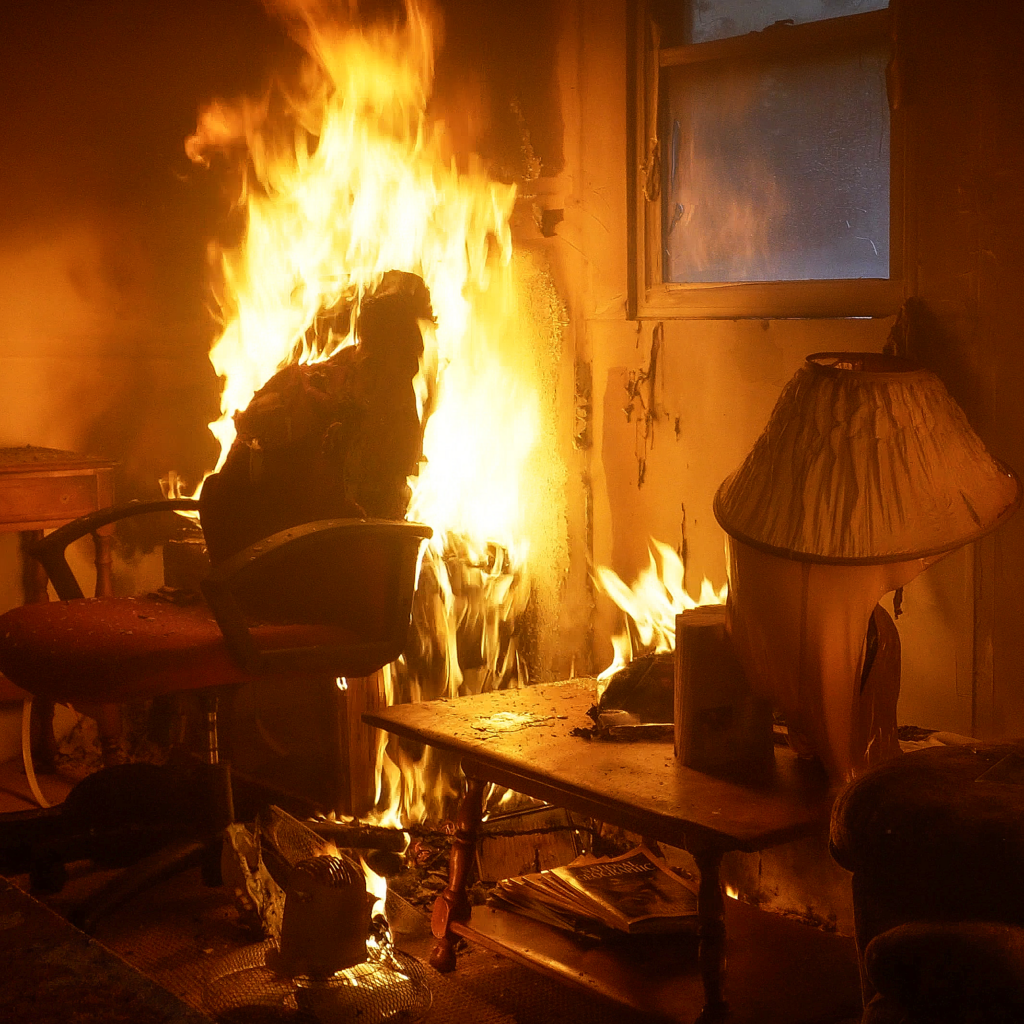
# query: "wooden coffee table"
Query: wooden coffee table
523,740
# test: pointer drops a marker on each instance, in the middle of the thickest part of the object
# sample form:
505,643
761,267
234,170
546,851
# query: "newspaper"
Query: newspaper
635,893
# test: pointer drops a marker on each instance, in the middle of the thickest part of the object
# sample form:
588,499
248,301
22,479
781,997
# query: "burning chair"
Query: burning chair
329,598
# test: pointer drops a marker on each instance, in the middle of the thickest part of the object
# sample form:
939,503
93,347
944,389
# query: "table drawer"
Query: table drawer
28,499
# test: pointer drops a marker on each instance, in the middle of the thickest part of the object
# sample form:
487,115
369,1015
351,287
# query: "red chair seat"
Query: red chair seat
117,650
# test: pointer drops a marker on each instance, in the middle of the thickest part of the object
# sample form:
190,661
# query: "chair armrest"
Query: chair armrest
366,658
50,551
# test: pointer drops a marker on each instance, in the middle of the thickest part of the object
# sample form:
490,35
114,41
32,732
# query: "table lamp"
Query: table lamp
866,473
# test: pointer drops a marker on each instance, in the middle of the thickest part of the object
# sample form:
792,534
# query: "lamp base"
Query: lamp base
800,631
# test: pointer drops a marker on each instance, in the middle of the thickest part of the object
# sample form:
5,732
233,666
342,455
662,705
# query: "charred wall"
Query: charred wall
716,381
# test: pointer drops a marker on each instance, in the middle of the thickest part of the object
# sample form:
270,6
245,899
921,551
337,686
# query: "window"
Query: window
766,161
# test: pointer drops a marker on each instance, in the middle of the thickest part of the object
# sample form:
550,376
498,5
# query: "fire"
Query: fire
362,187
377,887
346,178
652,604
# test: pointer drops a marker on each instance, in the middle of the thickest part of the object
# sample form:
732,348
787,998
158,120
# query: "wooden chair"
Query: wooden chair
330,598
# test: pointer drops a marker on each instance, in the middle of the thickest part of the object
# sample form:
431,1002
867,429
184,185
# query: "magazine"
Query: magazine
635,893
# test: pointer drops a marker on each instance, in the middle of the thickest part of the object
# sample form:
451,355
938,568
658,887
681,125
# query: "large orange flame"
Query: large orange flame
345,179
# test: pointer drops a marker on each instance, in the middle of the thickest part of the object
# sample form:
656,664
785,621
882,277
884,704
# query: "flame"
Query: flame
377,887
652,604
732,892
346,178
363,188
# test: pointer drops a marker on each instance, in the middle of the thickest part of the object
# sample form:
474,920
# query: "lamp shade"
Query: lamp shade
866,459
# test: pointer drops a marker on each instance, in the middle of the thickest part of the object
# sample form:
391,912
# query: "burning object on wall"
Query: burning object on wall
350,183
332,439
866,473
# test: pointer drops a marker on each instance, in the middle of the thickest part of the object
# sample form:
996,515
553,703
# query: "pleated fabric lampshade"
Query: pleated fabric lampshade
866,459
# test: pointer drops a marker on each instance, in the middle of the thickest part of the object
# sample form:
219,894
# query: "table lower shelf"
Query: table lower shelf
779,971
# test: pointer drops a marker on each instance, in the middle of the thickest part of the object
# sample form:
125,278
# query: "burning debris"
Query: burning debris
643,689
327,440
650,607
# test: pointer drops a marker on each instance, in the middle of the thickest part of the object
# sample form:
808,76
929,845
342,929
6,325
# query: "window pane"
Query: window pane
777,171
719,19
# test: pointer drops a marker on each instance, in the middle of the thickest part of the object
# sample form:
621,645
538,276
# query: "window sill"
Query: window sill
771,300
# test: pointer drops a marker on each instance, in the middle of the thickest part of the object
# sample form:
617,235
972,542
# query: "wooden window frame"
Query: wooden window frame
651,297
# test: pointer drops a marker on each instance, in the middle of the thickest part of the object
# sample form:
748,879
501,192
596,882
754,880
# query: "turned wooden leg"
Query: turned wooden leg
711,952
34,583
33,576
44,743
452,904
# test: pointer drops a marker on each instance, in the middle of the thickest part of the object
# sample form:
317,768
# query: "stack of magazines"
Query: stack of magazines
635,893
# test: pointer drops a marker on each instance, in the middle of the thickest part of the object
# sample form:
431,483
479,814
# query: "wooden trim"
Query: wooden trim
870,297
903,170
781,40
635,51
652,298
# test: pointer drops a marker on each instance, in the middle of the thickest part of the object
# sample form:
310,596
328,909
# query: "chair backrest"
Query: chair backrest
356,577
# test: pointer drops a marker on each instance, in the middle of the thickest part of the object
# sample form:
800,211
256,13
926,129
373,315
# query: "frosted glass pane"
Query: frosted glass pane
719,19
777,171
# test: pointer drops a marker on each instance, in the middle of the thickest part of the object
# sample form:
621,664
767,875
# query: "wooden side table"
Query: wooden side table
528,740
41,489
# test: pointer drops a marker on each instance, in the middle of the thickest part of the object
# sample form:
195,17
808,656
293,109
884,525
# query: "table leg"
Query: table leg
33,575
711,952
452,904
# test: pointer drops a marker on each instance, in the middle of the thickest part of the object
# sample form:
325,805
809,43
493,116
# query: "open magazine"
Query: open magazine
635,893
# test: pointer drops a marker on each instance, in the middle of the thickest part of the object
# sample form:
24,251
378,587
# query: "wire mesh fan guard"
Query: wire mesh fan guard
389,988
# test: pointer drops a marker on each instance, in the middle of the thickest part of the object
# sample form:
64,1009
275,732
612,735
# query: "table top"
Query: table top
29,459
522,739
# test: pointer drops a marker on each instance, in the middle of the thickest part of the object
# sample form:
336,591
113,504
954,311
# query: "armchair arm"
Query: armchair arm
357,659
50,551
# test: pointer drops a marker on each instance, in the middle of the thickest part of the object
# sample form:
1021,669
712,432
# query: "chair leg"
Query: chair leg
203,851
221,809
44,743
222,804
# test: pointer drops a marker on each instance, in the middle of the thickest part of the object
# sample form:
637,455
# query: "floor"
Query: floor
180,933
